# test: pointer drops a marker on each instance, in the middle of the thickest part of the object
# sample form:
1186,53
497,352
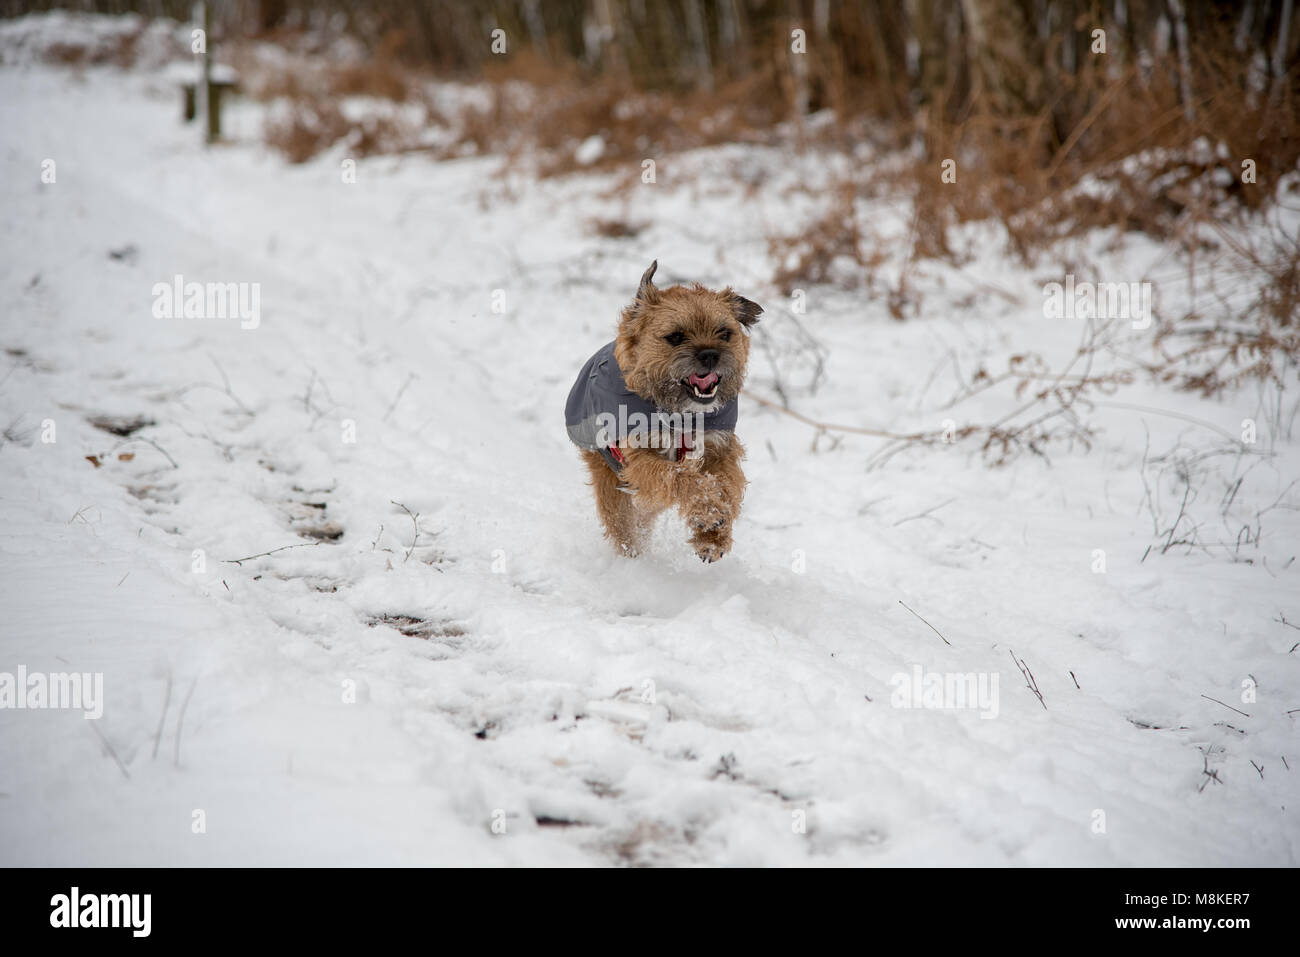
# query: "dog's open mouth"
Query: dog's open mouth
705,386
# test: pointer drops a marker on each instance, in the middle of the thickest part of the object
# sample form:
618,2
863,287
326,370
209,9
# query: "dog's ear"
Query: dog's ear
746,310
646,292
629,326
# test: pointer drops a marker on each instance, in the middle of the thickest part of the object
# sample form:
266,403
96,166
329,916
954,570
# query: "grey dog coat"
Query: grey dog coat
600,398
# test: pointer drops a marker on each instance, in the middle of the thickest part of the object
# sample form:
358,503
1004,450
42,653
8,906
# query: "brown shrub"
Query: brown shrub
808,257
616,228
1139,159
1258,339
379,75
306,129
542,111
311,126
119,49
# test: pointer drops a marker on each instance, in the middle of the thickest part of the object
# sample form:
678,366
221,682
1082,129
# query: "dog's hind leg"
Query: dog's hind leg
625,526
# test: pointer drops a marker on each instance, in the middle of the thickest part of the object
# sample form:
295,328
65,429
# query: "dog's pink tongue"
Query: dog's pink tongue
704,382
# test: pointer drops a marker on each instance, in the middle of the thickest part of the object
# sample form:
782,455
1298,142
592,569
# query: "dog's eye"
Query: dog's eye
724,335
676,339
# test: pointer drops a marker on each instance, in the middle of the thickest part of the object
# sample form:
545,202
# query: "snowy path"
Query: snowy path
611,711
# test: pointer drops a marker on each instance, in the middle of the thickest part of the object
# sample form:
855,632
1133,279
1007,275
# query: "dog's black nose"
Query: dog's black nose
708,357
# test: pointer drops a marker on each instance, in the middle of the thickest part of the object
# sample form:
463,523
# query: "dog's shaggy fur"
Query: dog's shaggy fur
670,343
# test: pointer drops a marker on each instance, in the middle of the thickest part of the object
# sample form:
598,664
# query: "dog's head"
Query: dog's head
685,348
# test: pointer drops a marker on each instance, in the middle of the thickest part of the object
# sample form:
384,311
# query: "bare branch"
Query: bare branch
928,625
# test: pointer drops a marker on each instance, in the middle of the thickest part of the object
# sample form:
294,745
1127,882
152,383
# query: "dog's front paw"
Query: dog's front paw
712,544
706,518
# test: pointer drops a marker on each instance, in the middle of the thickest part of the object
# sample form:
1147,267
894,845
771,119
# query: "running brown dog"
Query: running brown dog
654,413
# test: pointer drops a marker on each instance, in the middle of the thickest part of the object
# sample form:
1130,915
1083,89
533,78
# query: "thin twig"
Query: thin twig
240,561
397,398
147,441
1192,419
162,718
1228,706
1030,681
94,726
827,427
180,722
415,521
225,380
927,624
1205,770
934,508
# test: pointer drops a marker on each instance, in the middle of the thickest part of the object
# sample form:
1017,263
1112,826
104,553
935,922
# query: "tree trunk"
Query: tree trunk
1006,56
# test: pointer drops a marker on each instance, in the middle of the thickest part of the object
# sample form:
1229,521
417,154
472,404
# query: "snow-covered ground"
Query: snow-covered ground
487,683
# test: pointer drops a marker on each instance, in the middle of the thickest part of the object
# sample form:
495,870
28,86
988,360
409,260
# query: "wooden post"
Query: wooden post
211,101
207,97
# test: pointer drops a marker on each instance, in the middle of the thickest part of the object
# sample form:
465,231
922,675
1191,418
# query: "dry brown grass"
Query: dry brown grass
1136,160
380,75
312,125
1117,150
293,77
541,112
306,130
1225,343
815,255
616,227
308,92
120,49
